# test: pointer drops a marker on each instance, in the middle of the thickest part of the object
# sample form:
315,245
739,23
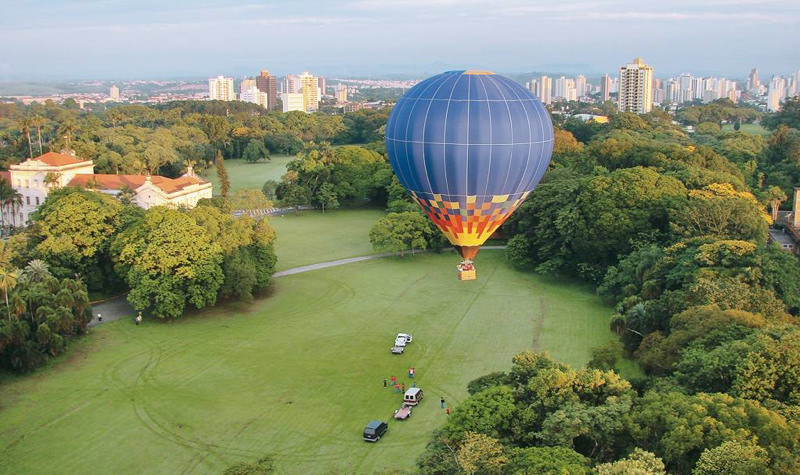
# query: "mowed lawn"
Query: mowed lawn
244,175
755,129
296,375
312,237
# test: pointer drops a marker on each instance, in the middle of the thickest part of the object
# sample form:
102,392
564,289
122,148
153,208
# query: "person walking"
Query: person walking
447,411
404,387
441,402
385,383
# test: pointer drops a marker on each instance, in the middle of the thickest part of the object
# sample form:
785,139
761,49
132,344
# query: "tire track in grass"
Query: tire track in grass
539,324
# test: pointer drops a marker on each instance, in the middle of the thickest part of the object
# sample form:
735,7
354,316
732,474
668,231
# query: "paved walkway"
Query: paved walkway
118,307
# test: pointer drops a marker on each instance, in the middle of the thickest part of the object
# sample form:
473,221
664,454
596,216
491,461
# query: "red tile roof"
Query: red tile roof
6,176
115,182
58,159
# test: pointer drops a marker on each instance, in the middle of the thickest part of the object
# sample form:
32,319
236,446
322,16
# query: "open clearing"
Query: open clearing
296,375
312,237
244,175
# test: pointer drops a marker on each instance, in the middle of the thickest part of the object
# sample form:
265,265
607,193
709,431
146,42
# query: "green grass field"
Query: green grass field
314,237
755,129
244,175
296,375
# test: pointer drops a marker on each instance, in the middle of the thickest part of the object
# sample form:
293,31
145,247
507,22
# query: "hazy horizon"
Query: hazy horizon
53,40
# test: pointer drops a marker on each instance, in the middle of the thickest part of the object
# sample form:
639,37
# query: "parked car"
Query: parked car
403,413
413,396
398,350
400,341
375,430
405,336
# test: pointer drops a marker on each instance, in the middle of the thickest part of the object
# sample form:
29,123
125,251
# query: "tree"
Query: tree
640,462
774,196
479,453
733,458
24,126
326,197
399,232
168,260
8,280
37,270
720,211
222,174
546,460
255,151
249,200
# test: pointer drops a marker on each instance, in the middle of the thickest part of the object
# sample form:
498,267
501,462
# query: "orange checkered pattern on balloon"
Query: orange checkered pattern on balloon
468,220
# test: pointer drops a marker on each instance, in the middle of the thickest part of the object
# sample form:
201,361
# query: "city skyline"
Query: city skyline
116,39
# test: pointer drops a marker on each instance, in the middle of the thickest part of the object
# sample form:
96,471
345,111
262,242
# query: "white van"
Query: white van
413,396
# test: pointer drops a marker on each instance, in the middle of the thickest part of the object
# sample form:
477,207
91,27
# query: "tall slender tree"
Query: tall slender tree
24,126
222,173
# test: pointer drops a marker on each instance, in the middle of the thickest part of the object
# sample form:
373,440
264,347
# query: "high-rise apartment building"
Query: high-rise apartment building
114,93
254,95
321,85
605,87
580,85
752,81
221,89
776,93
268,84
309,87
246,85
636,87
560,90
292,101
341,93
545,92
291,84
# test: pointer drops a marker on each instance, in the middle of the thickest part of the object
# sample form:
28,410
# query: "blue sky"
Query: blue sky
50,39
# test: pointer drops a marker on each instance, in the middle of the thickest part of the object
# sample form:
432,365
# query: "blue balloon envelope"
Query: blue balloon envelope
469,146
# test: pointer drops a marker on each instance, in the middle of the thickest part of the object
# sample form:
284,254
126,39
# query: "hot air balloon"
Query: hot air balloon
469,146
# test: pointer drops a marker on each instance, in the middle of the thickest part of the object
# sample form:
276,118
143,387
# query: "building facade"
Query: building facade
34,178
309,87
341,93
221,89
113,93
636,87
292,101
268,84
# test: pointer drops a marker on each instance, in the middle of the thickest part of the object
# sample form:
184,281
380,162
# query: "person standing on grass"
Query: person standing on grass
441,403
447,411
385,383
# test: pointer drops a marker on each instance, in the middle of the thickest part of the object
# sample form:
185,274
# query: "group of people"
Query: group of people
400,387
466,265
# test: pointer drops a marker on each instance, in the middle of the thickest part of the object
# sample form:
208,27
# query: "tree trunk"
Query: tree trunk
30,144
39,130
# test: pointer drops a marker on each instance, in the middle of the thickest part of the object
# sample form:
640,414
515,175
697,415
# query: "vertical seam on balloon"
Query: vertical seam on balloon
444,134
405,136
466,175
401,105
424,126
489,171
530,140
511,126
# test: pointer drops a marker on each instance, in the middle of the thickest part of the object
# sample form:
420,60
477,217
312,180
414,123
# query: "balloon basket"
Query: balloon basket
466,270
467,274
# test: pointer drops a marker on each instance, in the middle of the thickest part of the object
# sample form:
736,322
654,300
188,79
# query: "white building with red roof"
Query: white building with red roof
35,177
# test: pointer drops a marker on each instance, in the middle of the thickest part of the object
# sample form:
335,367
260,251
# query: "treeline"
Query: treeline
162,139
672,229
168,258
544,417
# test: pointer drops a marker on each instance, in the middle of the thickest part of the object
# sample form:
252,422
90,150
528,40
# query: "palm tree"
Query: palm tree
66,130
15,202
24,126
6,190
36,271
38,121
8,280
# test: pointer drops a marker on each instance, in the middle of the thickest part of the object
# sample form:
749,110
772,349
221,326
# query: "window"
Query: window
27,183
27,200
37,201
